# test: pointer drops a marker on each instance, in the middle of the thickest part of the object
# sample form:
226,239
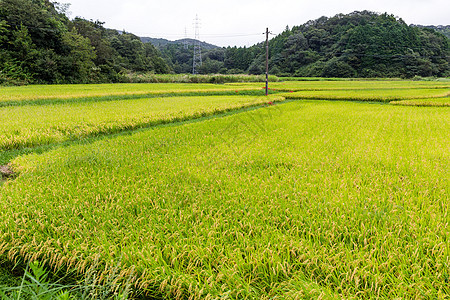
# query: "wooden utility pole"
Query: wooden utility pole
267,61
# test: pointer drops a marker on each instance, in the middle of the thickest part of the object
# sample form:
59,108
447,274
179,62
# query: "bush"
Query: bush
336,67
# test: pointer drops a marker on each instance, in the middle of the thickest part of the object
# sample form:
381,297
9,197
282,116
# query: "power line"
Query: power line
231,35
218,35
395,47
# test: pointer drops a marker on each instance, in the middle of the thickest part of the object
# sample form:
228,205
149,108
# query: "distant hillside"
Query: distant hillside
204,45
359,44
39,44
444,29
158,42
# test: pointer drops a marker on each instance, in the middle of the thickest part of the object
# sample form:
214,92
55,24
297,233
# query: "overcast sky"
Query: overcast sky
241,22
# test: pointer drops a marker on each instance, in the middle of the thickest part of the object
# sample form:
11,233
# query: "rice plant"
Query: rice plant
379,95
424,102
73,91
307,199
340,85
28,126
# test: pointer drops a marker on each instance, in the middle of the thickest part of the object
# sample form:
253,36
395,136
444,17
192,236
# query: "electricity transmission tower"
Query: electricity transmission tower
185,39
197,61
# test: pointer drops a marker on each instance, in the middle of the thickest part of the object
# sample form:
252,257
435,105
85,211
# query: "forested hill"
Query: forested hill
39,44
359,44
445,30
158,42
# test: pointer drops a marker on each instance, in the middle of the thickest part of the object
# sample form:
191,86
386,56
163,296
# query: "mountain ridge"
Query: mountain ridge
444,29
161,42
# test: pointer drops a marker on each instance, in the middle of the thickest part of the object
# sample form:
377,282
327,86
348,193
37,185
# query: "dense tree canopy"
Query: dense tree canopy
39,44
359,44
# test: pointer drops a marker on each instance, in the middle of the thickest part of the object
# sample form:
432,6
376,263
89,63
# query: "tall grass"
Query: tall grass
305,199
189,78
36,284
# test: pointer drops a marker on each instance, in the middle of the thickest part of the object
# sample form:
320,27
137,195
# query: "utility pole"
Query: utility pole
197,60
267,61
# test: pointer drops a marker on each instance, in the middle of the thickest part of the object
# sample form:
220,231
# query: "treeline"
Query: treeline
39,44
359,44
444,29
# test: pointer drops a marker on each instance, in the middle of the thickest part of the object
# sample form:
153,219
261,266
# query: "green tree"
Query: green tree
336,67
39,44
210,66
76,65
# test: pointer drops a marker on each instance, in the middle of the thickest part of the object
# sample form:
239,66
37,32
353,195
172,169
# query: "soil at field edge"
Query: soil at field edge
5,172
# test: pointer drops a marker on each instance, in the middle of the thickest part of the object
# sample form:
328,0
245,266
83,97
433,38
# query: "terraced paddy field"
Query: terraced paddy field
44,124
424,102
76,91
381,95
350,85
277,199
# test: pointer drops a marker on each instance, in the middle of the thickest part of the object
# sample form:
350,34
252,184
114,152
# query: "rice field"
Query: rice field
300,199
74,91
424,102
381,95
45,124
361,85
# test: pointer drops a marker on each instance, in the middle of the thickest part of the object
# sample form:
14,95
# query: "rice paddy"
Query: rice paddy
424,102
44,124
294,200
350,85
382,95
74,91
